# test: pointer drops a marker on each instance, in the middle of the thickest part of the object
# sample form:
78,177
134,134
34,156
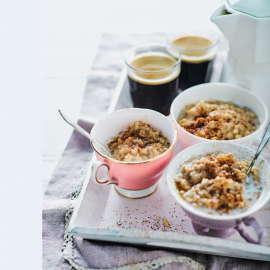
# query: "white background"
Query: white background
46,52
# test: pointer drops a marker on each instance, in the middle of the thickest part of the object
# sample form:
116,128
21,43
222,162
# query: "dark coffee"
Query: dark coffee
150,86
197,60
155,97
195,73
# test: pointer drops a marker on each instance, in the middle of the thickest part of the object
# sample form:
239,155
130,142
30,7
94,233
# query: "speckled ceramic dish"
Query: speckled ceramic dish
221,225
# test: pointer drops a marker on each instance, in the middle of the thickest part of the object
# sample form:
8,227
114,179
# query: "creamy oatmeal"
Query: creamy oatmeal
139,142
217,120
218,183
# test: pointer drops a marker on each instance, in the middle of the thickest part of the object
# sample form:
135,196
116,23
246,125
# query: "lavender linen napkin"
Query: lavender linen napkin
93,254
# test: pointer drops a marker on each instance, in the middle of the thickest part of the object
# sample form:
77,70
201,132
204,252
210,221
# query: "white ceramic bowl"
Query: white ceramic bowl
223,92
219,222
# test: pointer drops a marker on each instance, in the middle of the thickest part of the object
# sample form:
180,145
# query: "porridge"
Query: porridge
139,142
217,120
218,183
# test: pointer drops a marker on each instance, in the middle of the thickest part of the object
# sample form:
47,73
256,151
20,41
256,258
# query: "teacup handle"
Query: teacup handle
257,143
251,221
95,166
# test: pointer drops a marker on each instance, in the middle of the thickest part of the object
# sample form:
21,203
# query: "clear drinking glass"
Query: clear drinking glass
198,49
153,70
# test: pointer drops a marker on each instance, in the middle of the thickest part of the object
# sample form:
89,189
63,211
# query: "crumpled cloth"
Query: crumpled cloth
99,90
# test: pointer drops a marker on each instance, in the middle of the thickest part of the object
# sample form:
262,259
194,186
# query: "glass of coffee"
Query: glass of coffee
153,70
198,49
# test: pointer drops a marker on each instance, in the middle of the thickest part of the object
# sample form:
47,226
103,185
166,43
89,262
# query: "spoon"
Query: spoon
263,143
85,133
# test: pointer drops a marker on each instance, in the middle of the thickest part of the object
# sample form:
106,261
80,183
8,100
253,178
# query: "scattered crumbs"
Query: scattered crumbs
166,223
158,217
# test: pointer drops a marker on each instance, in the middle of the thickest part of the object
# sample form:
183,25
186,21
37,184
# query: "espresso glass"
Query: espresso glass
198,49
153,70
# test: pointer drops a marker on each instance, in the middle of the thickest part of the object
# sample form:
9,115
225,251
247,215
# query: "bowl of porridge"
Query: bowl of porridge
141,143
219,111
209,181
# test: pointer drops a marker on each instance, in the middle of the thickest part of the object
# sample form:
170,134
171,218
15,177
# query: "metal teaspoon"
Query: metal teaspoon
263,143
85,133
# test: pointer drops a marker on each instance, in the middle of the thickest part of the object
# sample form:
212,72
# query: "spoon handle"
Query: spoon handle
83,132
263,143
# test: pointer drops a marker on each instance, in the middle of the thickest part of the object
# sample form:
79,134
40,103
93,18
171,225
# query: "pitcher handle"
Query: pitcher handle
251,221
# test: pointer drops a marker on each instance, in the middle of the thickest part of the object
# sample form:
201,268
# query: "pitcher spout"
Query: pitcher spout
226,21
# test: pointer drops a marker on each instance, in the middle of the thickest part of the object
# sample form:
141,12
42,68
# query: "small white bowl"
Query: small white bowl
220,223
223,92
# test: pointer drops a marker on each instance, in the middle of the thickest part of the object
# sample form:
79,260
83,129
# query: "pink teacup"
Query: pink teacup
131,179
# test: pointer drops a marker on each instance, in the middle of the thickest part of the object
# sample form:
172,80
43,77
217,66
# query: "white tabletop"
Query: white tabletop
72,31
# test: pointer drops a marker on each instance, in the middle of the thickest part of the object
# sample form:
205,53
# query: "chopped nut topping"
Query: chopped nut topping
218,120
139,142
215,182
